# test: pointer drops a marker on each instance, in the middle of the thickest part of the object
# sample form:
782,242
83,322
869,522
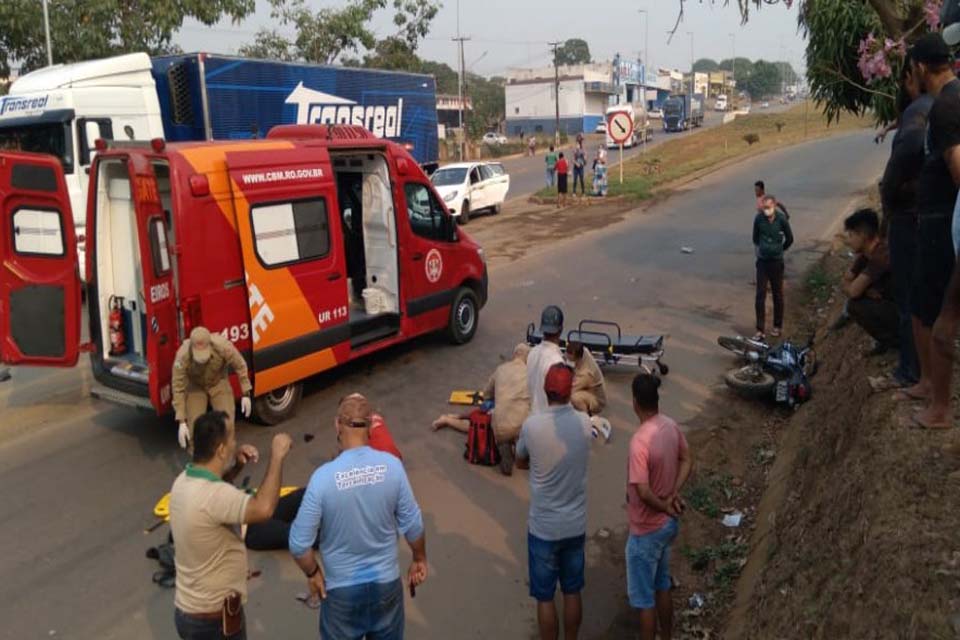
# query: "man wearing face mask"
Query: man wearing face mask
201,374
771,237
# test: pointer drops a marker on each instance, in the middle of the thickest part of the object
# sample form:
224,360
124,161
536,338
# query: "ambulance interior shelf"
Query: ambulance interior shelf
370,242
119,273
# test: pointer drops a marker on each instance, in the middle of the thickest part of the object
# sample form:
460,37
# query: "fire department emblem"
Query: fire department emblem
434,266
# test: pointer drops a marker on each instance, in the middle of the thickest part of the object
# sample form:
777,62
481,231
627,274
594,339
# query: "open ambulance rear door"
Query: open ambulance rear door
39,281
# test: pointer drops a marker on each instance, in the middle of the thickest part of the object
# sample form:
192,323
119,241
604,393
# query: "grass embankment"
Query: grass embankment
686,156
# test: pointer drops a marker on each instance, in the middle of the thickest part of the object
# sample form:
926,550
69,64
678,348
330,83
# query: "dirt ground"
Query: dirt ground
850,521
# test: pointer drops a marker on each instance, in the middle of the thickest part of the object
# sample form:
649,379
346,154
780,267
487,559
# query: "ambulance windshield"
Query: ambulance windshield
43,137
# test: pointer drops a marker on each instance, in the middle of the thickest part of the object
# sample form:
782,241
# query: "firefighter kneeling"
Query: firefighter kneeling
201,373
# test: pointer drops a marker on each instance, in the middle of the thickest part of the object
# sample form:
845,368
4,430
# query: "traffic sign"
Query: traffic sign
620,126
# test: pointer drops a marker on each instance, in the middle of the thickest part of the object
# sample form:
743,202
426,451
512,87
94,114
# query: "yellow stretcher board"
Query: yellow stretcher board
467,397
162,508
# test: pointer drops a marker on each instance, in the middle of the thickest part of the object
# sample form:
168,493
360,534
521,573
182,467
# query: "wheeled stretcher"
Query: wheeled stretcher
610,346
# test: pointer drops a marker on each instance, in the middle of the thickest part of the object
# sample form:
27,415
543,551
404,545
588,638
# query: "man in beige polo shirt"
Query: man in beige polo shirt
206,512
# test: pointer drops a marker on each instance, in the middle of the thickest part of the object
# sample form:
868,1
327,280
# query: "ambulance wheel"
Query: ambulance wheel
278,405
464,212
463,316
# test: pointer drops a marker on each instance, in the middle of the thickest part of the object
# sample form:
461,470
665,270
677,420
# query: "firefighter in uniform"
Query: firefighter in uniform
201,373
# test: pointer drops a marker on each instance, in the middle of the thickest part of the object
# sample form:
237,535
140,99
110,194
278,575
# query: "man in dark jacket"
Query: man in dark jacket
898,197
771,237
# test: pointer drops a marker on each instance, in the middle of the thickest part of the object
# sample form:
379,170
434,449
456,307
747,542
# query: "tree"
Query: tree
573,51
85,29
270,45
327,34
706,65
787,74
764,80
743,67
855,48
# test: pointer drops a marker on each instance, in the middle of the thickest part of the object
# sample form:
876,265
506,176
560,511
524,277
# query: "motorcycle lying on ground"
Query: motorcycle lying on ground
781,373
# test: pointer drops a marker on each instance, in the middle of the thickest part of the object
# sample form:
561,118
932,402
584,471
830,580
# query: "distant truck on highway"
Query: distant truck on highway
682,112
641,125
720,104
62,110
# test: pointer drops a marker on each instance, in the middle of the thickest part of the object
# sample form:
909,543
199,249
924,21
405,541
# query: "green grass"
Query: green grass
819,284
684,156
700,559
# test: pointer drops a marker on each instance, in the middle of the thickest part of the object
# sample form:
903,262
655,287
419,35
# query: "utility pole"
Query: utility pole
461,138
46,28
646,43
556,90
733,62
693,76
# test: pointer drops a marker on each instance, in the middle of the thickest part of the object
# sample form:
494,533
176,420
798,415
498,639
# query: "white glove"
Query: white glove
183,435
245,406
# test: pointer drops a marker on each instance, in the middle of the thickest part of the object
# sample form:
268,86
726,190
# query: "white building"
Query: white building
531,99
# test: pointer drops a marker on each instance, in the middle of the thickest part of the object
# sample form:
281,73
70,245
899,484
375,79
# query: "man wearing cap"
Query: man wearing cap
201,373
543,356
936,196
507,389
359,503
555,444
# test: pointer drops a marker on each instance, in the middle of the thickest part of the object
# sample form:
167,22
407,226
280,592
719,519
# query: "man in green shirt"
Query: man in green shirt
771,237
551,160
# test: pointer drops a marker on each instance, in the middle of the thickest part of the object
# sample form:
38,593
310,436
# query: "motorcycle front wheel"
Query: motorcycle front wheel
749,382
738,345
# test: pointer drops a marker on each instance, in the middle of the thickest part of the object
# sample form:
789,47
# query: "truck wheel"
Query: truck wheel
278,405
465,212
463,316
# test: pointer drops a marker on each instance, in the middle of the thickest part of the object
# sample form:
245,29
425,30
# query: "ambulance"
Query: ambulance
307,249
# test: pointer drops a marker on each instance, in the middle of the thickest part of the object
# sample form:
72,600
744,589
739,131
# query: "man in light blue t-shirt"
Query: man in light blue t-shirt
358,503
556,445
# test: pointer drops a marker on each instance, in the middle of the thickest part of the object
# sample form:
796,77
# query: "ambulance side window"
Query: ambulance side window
158,247
289,232
38,232
424,211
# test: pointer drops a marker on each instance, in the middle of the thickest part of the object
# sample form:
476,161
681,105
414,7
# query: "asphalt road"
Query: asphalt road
81,476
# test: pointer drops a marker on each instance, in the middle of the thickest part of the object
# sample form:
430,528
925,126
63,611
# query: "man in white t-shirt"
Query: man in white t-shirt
543,356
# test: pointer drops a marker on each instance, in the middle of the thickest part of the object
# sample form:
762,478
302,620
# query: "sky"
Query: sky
514,33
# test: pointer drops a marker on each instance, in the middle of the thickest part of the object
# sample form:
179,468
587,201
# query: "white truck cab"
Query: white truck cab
62,110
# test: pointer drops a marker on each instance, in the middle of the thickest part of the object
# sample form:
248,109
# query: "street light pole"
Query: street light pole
46,29
693,81
733,62
556,91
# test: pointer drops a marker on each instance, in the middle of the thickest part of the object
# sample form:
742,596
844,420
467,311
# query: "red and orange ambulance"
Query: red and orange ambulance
307,249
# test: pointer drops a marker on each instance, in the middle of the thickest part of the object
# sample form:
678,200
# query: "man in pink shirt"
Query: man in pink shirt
659,464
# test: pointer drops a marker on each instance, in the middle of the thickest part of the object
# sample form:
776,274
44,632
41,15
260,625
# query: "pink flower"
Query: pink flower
931,11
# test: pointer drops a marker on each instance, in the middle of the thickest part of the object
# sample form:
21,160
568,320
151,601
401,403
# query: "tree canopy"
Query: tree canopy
706,65
87,29
327,34
573,51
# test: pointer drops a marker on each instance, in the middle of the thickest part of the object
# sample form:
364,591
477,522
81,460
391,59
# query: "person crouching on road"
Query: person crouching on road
555,444
657,469
206,511
359,502
201,375
589,390
507,389
771,237
543,356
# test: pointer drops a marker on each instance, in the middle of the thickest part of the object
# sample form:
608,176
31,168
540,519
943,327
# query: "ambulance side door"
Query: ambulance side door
159,292
288,222
428,235
39,280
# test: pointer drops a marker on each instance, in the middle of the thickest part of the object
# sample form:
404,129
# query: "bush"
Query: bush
751,138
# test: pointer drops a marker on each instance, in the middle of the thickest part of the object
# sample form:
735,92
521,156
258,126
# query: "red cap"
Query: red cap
559,381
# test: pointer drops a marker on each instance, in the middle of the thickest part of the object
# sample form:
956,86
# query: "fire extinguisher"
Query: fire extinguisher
118,340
